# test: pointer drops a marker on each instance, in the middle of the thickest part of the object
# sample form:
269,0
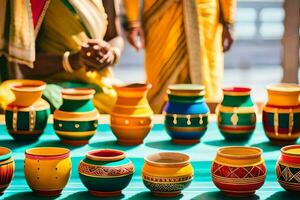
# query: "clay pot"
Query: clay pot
47,170
238,171
7,168
105,172
288,168
166,174
27,116
76,121
131,117
236,114
186,113
281,114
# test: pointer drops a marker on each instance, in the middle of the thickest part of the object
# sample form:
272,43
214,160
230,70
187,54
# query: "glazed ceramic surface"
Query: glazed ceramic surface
131,117
47,169
186,113
76,121
166,174
281,114
236,114
238,171
105,172
288,168
27,116
7,168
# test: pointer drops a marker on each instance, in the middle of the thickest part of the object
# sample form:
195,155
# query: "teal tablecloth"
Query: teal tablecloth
201,154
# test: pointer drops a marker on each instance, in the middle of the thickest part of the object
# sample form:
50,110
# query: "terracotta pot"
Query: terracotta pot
166,174
131,117
47,170
105,172
236,114
281,114
288,168
7,168
27,116
238,171
186,113
76,121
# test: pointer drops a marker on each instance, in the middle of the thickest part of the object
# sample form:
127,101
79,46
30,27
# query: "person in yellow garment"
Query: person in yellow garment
184,42
69,43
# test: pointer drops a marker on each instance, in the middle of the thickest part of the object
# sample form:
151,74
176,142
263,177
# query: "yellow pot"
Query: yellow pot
283,94
27,92
167,173
47,169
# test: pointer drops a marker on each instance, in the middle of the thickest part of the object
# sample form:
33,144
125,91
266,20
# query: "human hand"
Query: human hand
97,55
227,37
135,37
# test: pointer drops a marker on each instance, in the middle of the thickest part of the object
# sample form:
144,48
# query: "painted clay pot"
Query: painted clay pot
7,168
166,174
105,172
186,113
281,114
238,171
288,168
76,121
131,117
27,116
47,170
236,114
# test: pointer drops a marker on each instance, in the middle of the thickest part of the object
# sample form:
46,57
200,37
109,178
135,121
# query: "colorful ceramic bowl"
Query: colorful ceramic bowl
27,92
186,113
47,170
288,168
76,121
27,123
166,174
7,168
105,172
238,171
236,114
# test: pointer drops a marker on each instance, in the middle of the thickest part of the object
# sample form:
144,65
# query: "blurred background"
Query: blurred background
254,59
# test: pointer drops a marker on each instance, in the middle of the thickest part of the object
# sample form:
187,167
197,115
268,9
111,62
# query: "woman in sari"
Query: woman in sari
184,42
71,43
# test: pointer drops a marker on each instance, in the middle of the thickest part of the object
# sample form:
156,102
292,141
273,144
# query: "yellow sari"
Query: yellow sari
182,43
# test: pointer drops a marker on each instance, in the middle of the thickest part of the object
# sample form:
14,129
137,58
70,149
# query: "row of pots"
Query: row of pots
186,113
236,171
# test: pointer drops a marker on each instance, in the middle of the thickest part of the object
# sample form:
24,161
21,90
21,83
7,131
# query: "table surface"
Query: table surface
158,140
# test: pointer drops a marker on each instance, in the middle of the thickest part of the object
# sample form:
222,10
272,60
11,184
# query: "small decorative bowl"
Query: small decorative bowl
166,174
47,169
7,168
288,168
238,171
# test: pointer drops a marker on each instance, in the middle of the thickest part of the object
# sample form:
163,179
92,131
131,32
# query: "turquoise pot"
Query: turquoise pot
76,121
105,172
186,113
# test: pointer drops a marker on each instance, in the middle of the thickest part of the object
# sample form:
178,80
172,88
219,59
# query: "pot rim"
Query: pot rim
32,86
133,87
78,93
284,150
5,153
221,150
237,90
288,88
119,155
46,153
185,157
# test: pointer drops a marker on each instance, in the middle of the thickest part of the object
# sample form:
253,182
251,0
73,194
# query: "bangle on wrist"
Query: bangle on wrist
66,63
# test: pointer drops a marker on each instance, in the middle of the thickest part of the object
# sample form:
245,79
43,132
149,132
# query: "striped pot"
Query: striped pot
105,172
76,121
238,171
7,168
288,168
186,113
131,117
281,114
236,114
